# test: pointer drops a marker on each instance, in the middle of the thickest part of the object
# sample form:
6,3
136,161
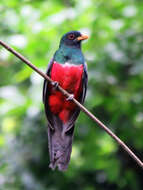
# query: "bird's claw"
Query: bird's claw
70,97
55,84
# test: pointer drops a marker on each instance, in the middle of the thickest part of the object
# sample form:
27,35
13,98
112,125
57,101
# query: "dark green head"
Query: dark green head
69,49
73,39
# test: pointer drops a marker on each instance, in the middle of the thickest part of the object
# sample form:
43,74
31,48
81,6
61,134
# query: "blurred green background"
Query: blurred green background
114,54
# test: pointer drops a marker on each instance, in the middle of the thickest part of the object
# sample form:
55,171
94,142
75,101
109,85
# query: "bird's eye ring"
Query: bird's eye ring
71,36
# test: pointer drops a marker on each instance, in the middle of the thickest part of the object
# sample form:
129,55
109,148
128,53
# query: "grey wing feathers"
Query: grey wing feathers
85,81
45,81
45,97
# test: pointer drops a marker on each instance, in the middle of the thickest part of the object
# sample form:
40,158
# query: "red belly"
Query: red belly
69,78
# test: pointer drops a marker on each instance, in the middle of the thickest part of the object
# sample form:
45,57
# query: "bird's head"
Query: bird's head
73,39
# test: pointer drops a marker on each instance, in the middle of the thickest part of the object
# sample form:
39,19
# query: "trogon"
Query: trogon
68,69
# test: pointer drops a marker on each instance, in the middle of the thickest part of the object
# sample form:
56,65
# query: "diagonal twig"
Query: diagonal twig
85,110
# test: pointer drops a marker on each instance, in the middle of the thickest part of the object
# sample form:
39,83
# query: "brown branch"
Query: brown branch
104,127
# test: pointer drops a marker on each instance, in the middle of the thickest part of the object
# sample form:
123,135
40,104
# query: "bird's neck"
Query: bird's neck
69,54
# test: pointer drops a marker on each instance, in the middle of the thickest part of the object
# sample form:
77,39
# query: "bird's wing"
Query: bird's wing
85,81
45,81
49,115
70,124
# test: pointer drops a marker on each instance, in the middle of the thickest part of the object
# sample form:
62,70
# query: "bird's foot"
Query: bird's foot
70,97
55,84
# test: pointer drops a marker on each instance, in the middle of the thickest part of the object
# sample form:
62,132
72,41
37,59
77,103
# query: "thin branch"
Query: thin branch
104,127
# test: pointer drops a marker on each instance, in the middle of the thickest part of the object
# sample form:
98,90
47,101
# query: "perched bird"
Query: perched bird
68,69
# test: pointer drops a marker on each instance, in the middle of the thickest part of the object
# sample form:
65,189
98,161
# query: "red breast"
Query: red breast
69,77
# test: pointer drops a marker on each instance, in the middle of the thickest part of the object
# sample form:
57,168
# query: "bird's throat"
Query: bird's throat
69,54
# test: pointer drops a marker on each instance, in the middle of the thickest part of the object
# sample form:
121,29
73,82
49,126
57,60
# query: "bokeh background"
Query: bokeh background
114,54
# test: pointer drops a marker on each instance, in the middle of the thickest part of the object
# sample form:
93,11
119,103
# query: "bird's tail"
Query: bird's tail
60,147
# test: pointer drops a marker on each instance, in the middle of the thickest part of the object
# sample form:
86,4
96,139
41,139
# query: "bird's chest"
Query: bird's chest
69,76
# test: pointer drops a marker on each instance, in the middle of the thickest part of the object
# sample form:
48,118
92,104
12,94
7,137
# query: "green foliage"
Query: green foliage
115,65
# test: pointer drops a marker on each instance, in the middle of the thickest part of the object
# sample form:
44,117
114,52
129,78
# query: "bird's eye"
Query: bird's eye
71,36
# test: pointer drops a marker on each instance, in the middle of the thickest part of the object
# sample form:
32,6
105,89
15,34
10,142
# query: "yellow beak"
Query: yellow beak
82,37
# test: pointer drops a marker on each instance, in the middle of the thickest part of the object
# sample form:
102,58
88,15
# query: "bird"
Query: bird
68,69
